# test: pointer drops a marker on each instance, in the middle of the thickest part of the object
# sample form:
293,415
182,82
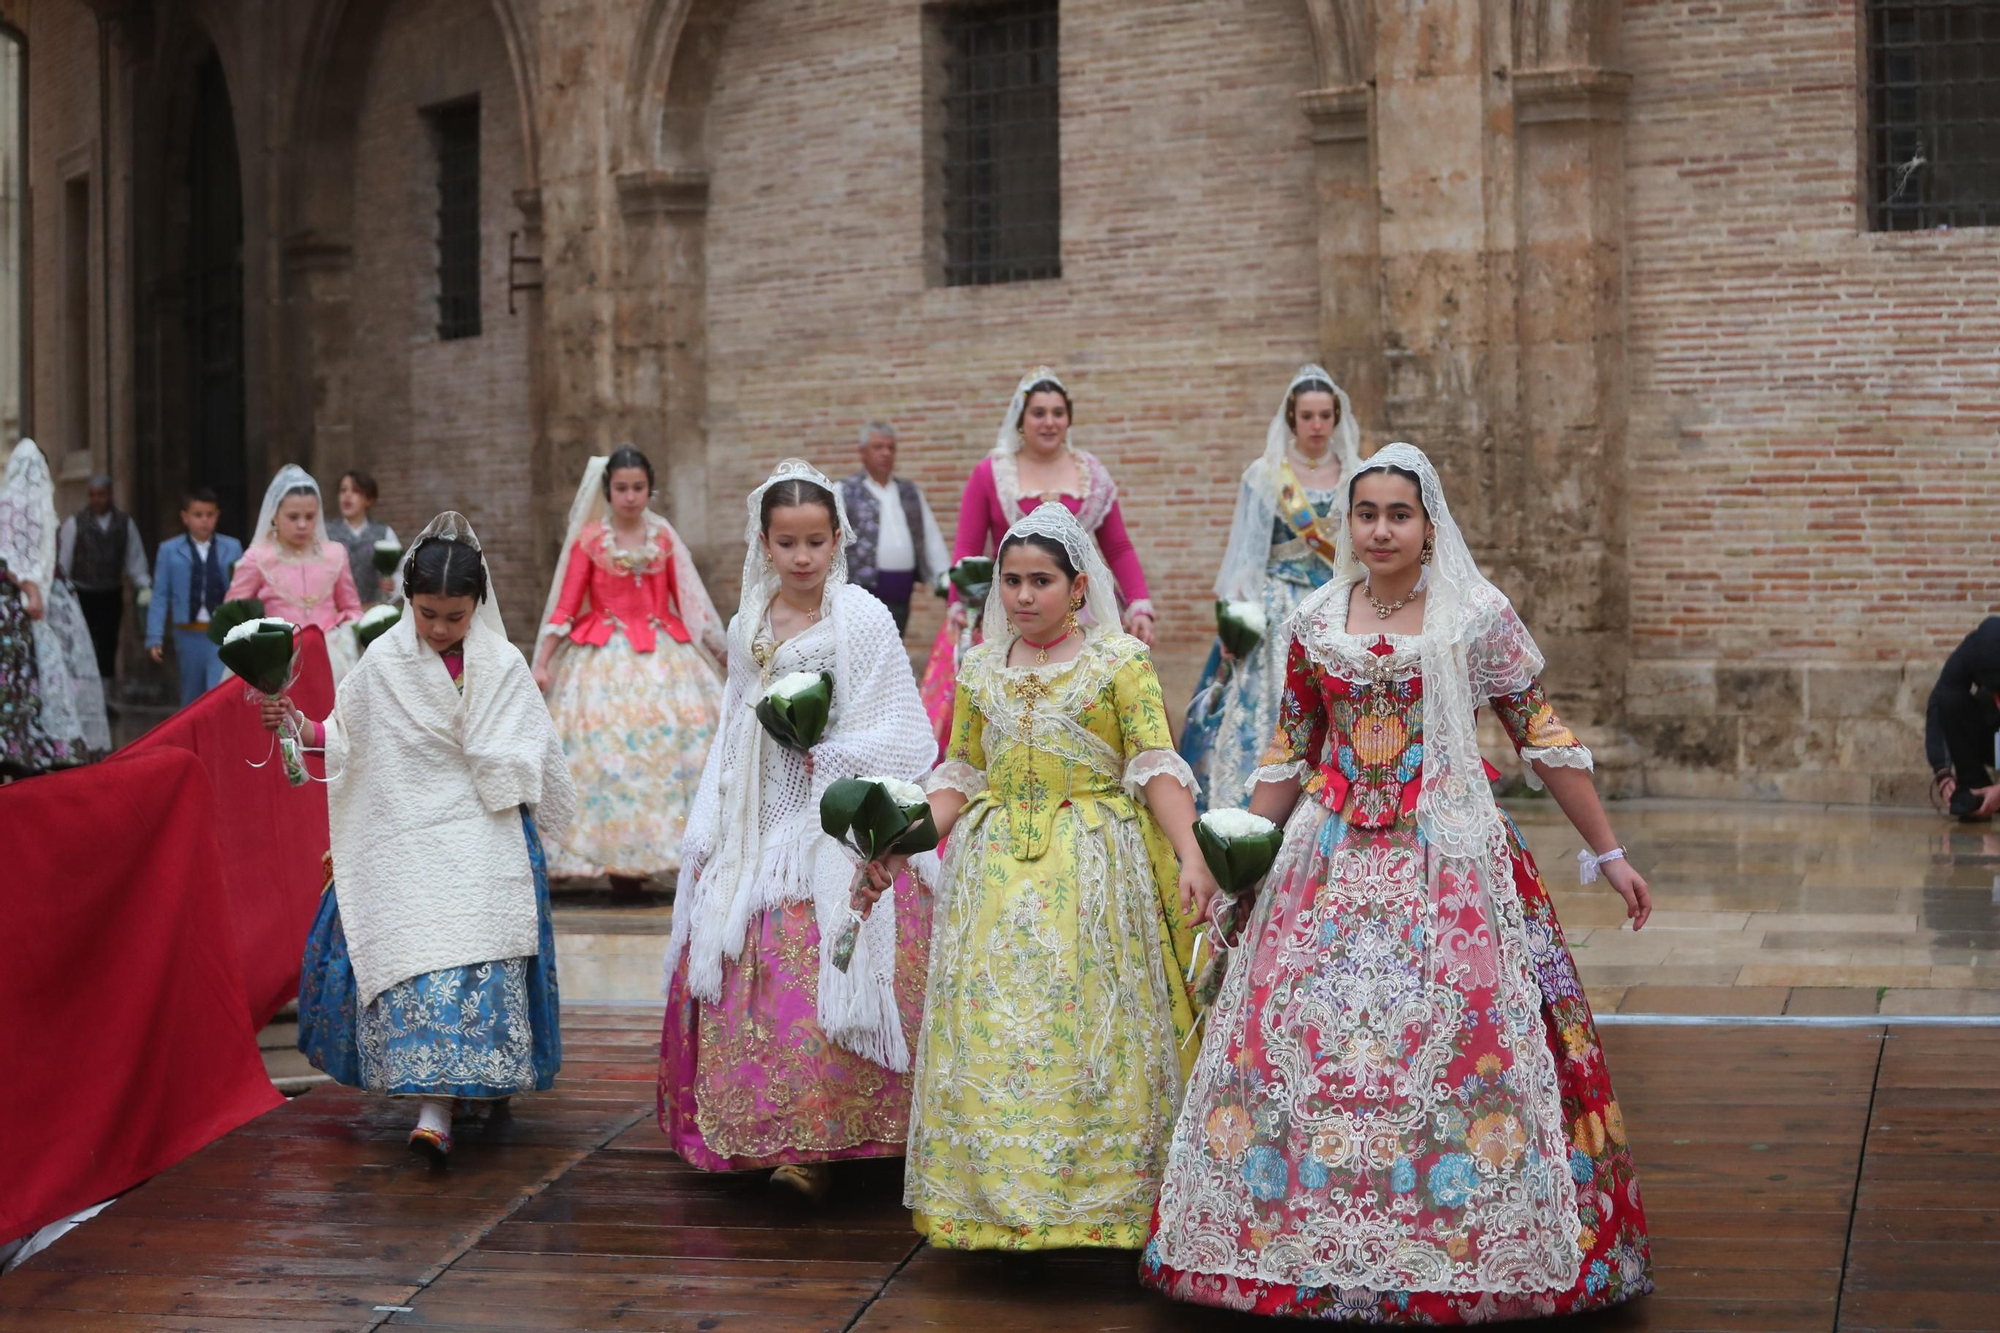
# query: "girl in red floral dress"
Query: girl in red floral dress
1401,1113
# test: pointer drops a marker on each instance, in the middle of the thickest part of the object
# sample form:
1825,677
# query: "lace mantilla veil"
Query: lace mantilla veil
453,526
28,517
1100,597
291,477
1249,553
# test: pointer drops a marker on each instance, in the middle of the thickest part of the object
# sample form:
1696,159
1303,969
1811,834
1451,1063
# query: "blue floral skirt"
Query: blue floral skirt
482,1030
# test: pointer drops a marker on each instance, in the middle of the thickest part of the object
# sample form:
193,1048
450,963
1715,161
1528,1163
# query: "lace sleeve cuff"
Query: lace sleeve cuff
956,775
1151,764
1555,756
1292,772
1142,607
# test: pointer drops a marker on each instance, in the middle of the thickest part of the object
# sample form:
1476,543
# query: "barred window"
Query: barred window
1933,114
1001,196
455,132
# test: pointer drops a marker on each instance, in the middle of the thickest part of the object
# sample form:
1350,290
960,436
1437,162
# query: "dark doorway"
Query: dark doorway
215,445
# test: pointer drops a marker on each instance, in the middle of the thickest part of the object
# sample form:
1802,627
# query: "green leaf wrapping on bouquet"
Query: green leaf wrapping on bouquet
862,813
1237,860
1240,626
973,577
231,614
388,557
376,622
794,712
941,586
261,651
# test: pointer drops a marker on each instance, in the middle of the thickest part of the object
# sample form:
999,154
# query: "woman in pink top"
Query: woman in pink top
1033,462
294,569
627,656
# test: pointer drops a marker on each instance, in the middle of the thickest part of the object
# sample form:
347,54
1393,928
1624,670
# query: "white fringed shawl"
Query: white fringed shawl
753,837
423,796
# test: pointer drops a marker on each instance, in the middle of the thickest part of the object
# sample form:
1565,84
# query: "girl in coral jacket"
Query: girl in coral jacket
626,658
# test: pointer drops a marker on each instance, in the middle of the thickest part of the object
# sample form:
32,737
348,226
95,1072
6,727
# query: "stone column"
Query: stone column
1569,145
1350,258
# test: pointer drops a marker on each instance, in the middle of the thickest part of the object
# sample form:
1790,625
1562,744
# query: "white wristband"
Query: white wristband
1588,863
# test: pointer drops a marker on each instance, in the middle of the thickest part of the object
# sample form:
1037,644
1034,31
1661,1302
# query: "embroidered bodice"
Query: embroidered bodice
993,502
608,588
1291,559
1083,734
1351,724
315,588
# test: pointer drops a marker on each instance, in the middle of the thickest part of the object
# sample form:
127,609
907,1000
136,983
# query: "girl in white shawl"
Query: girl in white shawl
69,725
771,1056
430,971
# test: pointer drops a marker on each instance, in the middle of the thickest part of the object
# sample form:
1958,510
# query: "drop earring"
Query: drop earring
1430,549
1070,625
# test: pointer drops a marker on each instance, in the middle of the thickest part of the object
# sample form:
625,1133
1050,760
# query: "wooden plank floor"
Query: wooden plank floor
1766,1212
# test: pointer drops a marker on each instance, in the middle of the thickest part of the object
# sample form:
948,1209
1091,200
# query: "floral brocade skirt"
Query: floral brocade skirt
484,1030
939,686
635,728
24,747
752,1080
1236,1122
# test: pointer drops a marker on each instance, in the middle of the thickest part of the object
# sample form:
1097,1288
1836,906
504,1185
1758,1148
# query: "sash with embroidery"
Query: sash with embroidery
1295,507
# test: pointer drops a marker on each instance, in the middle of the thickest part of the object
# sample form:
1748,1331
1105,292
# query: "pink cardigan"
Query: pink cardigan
983,519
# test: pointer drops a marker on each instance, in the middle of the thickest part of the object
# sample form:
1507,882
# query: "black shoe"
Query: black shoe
1964,806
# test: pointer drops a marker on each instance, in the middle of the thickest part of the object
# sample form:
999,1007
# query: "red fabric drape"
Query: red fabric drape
273,836
124,1036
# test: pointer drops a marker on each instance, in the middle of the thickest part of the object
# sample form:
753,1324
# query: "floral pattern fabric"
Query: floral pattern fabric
752,1081
1402,1112
24,747
485,1030
1051,1062
635,728
1226,733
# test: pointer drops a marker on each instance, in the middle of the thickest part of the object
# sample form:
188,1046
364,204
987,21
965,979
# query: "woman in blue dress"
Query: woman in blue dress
1281,547
430,972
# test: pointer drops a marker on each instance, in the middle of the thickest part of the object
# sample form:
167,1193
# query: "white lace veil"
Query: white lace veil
1474,648
760,580
291,477
697,612
1249,551
1100,593
1008,441
453,526
28,517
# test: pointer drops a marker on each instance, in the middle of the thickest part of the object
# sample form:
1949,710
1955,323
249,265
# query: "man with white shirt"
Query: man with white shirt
97,549
897,545
191,581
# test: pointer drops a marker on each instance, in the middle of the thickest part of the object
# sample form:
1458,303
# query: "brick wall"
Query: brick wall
442,425
1815,429
1188,296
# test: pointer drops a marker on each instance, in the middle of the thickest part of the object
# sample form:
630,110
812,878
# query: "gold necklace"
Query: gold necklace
1384,612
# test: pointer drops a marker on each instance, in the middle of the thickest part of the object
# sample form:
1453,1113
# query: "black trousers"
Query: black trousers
103,611
1969,722
901,612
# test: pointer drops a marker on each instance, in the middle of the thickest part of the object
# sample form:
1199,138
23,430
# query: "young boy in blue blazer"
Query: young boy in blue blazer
190,579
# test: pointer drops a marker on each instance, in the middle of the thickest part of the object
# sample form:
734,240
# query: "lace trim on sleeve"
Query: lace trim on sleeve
956,775
1293,772
1555,756
1151,764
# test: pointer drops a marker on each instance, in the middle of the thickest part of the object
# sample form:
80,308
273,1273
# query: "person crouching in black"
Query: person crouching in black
1960,722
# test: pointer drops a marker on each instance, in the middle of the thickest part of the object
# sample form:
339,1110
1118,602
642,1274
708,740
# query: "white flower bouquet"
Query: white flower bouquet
1241,626
1238,848
231,614
874,818
795,708
375,622
264,652
388,557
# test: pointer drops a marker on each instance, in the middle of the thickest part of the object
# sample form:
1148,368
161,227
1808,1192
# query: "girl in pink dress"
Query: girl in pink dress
1032,463
296,571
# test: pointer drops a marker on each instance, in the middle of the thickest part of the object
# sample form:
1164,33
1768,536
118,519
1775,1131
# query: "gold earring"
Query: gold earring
1070,625
1430,549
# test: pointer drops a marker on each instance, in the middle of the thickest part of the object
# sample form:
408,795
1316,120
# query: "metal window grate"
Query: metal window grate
1002,190
455,129
1933,114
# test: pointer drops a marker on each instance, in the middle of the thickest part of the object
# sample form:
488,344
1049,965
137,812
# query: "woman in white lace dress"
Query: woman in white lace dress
1401,1112
69,726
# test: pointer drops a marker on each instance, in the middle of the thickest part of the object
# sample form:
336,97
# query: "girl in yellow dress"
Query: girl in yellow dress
1056,1022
